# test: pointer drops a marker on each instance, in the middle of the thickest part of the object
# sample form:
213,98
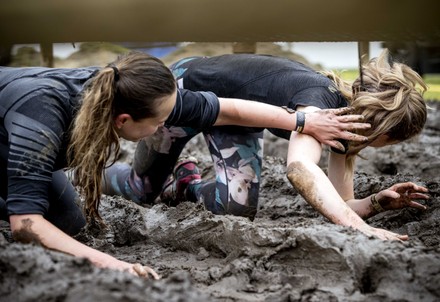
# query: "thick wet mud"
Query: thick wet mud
288,253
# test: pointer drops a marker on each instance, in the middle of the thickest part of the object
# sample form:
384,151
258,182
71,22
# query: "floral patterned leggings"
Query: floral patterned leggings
237,156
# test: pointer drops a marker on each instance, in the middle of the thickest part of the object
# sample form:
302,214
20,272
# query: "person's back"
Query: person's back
273,80
249,75
29,96
72,78
37,107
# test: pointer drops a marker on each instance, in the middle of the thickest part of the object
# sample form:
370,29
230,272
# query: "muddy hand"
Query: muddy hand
401,195
145,271
329,125
383,234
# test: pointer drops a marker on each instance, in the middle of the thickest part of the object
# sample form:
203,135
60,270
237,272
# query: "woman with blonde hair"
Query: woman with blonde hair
390,96
387,94
53,118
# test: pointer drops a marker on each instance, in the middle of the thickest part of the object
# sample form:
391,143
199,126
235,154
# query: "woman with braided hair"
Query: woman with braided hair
387,94
52,119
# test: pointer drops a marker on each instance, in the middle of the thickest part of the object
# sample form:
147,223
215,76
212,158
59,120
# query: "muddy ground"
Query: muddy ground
288,253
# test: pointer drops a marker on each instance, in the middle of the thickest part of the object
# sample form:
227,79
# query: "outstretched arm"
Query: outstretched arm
327,126
317,189
30,167
398,196
35,229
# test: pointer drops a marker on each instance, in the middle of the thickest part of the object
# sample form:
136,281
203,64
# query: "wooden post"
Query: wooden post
46,54
363,52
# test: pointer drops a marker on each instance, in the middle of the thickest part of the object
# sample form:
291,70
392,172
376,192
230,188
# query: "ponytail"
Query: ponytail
134,84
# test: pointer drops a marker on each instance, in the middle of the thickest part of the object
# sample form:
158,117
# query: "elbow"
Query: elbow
300,177
292,171
303,180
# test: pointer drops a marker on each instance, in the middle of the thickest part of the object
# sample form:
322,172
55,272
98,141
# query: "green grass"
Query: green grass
91,47
432,80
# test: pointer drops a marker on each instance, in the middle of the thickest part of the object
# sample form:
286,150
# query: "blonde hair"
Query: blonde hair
390,96
133,84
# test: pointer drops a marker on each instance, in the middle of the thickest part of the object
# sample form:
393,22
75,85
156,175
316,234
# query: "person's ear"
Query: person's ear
121,119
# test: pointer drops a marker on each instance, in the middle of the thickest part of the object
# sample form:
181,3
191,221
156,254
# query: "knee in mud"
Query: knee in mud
237,209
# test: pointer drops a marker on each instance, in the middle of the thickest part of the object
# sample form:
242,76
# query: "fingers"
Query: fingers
145,271
420,188
352,137
417,205
152,272
335,144
402,237
395,236
388,194
348,136
325,126
352,122
385,235
353,118
412,191
349,121
340,111
418,196
350,126
139,269
409,186
343,116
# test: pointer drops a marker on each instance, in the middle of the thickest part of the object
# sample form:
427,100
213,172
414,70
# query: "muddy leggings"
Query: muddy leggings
237,158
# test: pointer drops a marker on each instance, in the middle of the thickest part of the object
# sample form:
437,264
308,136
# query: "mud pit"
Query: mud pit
288,253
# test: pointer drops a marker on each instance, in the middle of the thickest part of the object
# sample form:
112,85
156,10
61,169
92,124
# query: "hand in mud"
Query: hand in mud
329,125
383,234
401,195
144,271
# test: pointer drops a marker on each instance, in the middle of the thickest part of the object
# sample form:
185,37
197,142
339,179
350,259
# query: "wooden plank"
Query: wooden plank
30,21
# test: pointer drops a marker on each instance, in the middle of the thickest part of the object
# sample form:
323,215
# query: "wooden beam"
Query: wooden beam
30,21
244,47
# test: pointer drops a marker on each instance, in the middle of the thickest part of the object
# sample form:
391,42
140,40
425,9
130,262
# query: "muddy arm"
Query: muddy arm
317,189
35,229
312,183
398,196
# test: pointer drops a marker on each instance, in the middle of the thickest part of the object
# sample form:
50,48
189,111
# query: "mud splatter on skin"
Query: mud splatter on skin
25,233
304,182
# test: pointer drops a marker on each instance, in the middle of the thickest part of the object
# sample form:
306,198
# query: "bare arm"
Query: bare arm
325,125
317,189
398,196
36,229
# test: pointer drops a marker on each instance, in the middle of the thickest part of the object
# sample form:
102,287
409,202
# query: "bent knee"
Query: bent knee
237,209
